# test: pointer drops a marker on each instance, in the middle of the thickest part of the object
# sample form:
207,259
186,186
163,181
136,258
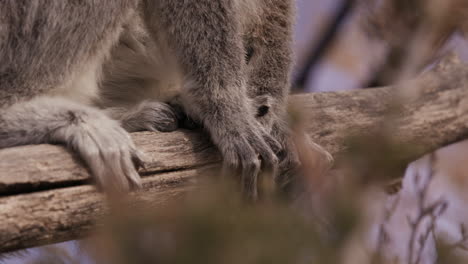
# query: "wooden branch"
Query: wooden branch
46,198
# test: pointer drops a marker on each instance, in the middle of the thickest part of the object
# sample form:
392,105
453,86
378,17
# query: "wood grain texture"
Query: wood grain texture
46,217
45,196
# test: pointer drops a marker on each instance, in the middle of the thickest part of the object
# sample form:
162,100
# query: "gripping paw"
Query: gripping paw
248,148
105,147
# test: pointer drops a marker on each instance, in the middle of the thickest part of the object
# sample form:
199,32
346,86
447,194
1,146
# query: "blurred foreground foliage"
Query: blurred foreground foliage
215,224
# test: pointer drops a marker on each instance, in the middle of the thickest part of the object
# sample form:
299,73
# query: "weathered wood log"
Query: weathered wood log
46,197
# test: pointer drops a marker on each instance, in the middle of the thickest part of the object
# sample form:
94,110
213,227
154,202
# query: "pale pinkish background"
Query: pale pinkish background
346,67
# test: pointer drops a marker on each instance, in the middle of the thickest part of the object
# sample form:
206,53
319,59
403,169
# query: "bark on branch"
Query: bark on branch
45,196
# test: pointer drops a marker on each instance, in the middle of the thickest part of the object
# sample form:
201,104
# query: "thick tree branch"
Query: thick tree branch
46,197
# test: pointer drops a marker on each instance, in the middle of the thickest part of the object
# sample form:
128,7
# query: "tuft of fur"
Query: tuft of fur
101,142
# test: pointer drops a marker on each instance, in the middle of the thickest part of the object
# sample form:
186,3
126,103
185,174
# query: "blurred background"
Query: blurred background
348,63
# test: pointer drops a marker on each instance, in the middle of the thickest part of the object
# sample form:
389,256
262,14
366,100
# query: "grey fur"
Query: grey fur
46,47
147,115
256,61
106,148
159,50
